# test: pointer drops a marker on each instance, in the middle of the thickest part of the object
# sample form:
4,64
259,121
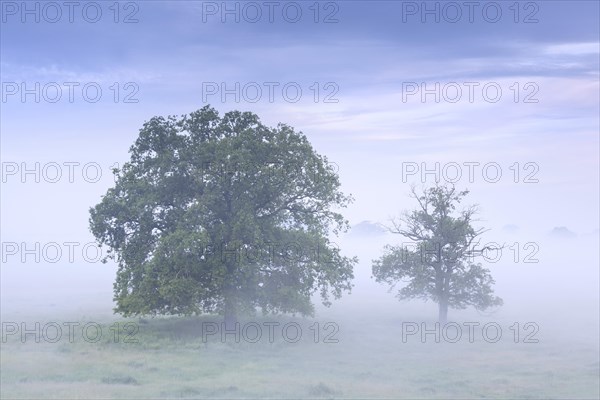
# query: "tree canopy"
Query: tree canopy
223,214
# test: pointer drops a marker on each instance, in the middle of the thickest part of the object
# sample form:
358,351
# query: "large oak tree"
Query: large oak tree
223,215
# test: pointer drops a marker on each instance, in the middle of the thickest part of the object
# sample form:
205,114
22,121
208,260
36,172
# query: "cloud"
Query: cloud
572,49
63,72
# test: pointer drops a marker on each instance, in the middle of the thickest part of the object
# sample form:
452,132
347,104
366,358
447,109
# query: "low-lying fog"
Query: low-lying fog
559,292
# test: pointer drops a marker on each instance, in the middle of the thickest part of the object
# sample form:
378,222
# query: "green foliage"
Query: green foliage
208,211
440,264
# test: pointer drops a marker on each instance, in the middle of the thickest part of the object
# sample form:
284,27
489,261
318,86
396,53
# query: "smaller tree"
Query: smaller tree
438,263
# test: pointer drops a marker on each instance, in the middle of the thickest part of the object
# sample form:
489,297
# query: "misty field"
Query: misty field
355,349
172,359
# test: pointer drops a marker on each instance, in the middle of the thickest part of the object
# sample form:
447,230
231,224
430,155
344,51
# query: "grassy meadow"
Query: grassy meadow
175,358
359,353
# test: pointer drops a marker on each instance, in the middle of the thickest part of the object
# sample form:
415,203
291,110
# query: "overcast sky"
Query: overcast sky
369,61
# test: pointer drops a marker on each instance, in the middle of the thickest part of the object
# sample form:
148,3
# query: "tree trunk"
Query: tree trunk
230,312
230,320
442,295
443,311
229,294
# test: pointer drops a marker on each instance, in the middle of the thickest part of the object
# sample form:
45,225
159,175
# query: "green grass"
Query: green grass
171,360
